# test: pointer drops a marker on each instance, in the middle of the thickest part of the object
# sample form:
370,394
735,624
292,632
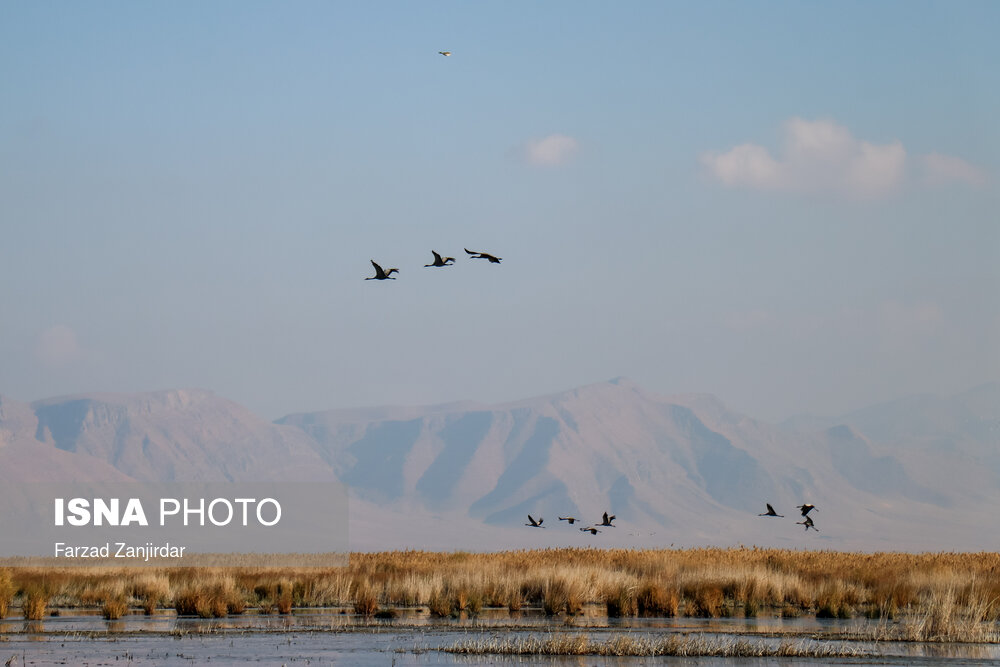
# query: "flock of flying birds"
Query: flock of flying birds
381,274
593,530
386,274
805,509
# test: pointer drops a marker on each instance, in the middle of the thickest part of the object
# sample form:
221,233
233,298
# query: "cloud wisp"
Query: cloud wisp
821,156
817,156
553,150
945,169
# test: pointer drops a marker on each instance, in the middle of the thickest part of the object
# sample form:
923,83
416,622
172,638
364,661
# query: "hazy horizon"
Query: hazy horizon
514,400
790,206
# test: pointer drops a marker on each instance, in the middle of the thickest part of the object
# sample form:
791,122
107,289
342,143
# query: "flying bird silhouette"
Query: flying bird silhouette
592,529
381,274
535,524
571,519
807,508
484,255
770,511
445,53
808,523
607,521
440,261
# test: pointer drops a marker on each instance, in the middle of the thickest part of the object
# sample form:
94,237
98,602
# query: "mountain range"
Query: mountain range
919,473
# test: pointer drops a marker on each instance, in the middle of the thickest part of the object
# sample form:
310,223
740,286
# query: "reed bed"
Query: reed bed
627,645
7,591
938,594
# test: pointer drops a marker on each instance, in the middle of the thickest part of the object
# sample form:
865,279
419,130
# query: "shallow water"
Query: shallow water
329,637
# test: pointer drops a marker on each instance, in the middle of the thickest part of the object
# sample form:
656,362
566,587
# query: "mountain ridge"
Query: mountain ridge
684,466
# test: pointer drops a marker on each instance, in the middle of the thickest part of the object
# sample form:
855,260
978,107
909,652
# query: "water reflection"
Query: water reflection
34,628
324,635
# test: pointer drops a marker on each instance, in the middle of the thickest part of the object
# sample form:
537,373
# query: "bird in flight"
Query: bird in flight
571,519
593,530
770,511
484,255
445,53
381,274
807,508
808,523
440,261
608,520
535,524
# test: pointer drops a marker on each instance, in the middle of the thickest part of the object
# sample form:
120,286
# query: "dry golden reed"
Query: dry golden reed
7,591
653,599
36,601
365,600
666,582
114,607
627,645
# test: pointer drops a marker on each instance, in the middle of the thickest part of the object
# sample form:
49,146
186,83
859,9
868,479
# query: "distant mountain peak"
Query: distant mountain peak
162,397
683,462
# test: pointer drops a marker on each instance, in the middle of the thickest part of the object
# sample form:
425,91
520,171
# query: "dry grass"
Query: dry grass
150,591
654,599
36,601
931,592
941,619
619,600
114,607
7,591
627,645
365,600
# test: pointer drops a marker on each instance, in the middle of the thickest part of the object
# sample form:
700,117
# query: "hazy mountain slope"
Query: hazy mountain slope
923,421
180,435
16,420
684,467
912,474
938,439
25,459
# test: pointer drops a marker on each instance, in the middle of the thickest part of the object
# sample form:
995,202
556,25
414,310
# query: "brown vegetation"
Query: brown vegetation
114,607
626,645
937,595
36,601
6,592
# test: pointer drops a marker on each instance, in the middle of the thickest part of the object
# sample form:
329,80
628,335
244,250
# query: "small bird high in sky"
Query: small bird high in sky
535,524
591,529
445,53
807,508
607,520
570,519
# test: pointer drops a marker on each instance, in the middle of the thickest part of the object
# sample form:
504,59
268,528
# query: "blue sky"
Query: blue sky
791,205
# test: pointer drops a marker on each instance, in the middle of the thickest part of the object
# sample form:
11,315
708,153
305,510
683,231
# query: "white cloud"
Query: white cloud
554,149
943,169
817,156
57,347
747,164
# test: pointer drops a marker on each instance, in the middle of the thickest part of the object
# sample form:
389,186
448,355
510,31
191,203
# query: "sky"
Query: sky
791,205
